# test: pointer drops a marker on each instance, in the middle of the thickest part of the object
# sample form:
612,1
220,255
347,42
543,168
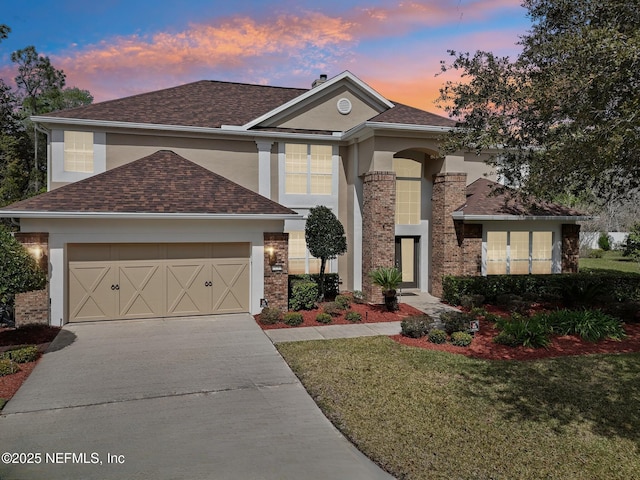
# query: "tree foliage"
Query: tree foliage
325,238
632,245
20,272
565,109
39,89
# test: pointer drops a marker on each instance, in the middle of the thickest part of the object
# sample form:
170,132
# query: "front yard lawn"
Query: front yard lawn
612,260
424,414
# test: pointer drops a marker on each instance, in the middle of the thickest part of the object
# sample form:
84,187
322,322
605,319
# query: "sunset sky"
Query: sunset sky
118,48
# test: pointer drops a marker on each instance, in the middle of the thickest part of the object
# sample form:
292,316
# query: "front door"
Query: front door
407,260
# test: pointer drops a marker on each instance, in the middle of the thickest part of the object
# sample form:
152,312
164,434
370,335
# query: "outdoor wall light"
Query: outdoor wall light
272,256
36,252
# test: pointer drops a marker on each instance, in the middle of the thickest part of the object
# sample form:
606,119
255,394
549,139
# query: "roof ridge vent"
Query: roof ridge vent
319,81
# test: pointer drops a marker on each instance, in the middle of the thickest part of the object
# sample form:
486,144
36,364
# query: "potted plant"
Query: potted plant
388,278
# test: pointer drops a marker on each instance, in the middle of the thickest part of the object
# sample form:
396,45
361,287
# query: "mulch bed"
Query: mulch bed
370,314
40,335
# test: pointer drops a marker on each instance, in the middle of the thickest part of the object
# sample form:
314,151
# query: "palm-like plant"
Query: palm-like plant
387,278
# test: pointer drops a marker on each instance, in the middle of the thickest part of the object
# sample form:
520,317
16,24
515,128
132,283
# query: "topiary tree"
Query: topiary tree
604,241
325,238
20,272
632,245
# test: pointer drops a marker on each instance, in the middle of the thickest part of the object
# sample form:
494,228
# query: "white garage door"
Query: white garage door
157,280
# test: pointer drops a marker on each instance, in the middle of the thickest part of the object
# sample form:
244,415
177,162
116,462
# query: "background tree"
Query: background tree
325,238
565,109
632,245
40,89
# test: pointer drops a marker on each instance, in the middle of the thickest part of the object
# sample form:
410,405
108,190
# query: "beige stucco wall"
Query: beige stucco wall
323,113
235,160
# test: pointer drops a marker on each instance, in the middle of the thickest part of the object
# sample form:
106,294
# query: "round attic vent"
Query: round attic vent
344,106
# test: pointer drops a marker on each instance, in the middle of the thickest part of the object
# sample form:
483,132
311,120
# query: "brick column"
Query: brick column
378,228
276,283
471,249
449,193
33,307
570,247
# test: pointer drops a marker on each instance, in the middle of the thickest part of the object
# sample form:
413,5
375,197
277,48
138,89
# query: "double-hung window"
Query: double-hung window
519,252
78,152
300,260
308,169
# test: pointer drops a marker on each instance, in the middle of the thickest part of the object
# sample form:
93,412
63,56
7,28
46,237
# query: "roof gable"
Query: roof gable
346,85
161,183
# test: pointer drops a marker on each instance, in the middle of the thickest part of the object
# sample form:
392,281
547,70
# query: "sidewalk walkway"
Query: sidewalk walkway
420,300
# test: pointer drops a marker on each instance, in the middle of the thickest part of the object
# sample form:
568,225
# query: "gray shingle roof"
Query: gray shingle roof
211,104
162,182
485,197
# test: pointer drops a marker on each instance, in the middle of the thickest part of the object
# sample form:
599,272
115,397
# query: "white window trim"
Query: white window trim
556,265
58,174
302,200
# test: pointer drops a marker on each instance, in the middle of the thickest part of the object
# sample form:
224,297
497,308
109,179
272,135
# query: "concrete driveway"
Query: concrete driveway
190,398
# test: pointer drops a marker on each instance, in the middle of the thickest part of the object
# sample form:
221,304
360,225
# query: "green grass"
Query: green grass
612,260
423,414
3,402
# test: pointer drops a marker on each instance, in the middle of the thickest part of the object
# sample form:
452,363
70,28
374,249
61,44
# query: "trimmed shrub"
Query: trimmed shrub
619,286
324,318
331,283
456,321
604,241
461,339
505,338
472,301
415,326
437,336
293,319
270,316
353,317
332,308
8,367
343,301
21,355
596,253
303,295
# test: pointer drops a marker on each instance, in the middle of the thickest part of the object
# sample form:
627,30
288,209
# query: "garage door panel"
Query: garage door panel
91,296
230,286
187,288
119,286
140,290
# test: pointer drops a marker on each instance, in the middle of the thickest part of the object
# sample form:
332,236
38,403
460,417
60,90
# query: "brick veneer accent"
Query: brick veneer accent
447,253
570,247
33,307
378,228
276,284
471,238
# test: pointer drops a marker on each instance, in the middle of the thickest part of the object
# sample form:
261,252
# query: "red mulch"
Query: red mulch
370,314
40,335
483,347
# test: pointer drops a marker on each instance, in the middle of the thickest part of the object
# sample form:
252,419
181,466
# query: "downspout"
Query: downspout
47,132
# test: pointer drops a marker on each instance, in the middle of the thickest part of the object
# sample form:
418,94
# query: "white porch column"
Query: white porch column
264,167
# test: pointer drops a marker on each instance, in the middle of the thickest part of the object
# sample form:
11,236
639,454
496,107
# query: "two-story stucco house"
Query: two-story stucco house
192,200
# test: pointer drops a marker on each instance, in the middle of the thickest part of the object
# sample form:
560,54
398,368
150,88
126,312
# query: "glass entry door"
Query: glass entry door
407,260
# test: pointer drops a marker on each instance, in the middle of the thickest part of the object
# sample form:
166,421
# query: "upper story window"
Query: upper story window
408,190
308,169
78,152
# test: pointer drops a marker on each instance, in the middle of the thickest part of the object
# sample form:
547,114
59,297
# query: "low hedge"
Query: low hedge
572,289
331,283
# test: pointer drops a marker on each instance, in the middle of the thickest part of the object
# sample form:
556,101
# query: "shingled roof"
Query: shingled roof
211,104
206,103
161,183
490,199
